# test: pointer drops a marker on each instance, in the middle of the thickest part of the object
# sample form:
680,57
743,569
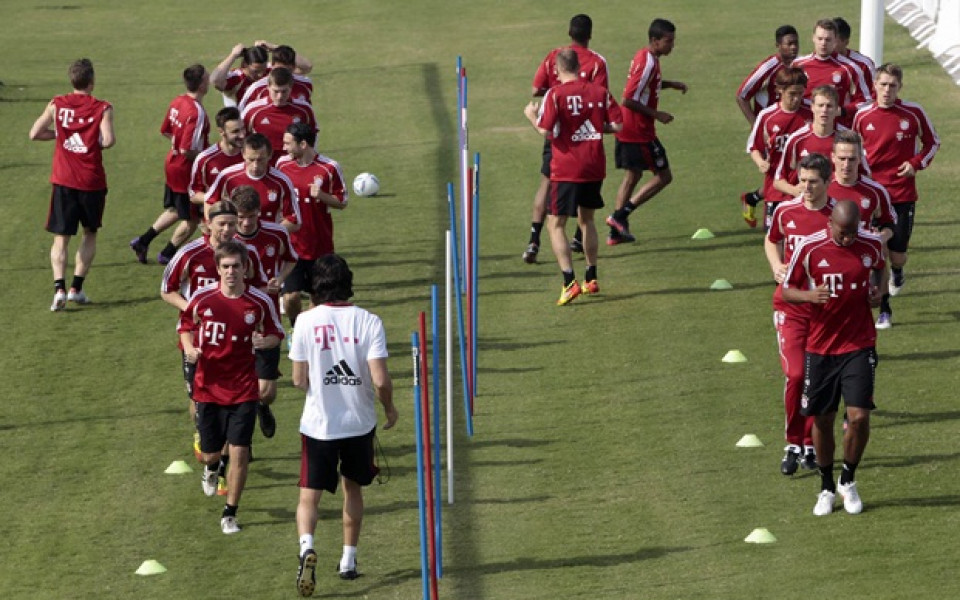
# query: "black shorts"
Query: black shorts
547,157
565,197
70,208
641,156
185,209
268,363
300,278
189,372
220,423
319,460
827,378
903,228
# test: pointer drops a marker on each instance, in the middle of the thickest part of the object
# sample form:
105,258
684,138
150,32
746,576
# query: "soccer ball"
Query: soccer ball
366,184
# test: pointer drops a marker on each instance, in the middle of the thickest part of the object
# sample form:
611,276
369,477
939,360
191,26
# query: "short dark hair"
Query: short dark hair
302,132
257,141
284,55
891,69
281,76
193,77
848,136
790,76
826,24
229,113
332,280
660,28
783,31
568,61
817,162
843,28
81,73
253,55
245,198
581,29
232,248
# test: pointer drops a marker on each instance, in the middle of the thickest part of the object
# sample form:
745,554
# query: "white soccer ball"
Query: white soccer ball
366,184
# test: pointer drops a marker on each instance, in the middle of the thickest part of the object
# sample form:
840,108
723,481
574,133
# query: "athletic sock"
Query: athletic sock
753,198
148,236
568,278
885,304
229,511
578,235
591,273
169,250
622,214
349,559
848,474
222,469
535,229
306,543
826,478
59,285
77,283
898,271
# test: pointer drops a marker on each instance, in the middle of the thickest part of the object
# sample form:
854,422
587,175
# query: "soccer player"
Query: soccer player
83,125
848,183
186,126
220,329
863,62
593,67
339,354
824,66
759,89
320,189
792,221
769,135
278,198
287,58
574,115
273,245
271,116
899,140
813,138
637,147
233,83
225,153
830,272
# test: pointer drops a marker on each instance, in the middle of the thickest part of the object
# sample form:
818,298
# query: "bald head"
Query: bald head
846,214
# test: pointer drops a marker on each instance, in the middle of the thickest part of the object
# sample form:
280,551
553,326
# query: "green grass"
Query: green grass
603,464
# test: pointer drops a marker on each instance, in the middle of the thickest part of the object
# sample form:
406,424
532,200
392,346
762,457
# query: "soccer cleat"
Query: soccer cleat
590,287
196,446
347,574
620,226
139,249
59,301
851,498
791,460
884,321
268,423
568,293
576,246
809,461
749,212
78,297
306,574
824,504
896,284
208,482
162,259
530,254
620,238
229,525
221,486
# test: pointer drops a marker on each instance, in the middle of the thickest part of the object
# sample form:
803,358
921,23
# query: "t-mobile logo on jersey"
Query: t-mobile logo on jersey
214,332
574,104
834,281
65,115
325,334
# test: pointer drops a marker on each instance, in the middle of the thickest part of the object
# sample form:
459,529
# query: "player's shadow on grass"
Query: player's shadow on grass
602,298
104,417
889,418
507,346
126,301
937,355
928,502
894,462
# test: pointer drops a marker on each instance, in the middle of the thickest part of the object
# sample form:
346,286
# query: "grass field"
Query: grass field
604,462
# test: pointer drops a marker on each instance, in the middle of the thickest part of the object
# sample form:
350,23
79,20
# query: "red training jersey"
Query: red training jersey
315,236
194,266
77,156
207,166
273,246
263,116
769,137
278,198
301,90
792,221
237,84
593,67
876,211
187,126
643,87
760,86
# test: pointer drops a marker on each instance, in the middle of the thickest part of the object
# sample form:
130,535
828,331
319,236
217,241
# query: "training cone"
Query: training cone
734,356
178,467
749,441
760,535
721,284
702,234
151,567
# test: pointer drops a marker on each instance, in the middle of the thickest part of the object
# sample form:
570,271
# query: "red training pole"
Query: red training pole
428,460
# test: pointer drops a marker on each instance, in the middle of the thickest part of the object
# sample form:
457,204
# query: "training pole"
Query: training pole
448,316
427,453
437,487
459,298
468,276
425,571
474,271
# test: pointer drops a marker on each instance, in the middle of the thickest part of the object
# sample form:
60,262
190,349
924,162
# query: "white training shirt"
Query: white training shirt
336,341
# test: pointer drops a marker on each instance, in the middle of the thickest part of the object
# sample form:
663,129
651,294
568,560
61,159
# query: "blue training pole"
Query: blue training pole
421,487
475,256
434,304
456,286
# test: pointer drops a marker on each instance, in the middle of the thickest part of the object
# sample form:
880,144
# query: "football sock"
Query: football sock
897,272
535,229
59,285
306,543
169,250
578,235
848,473
77,283
826,478
591,273
349,559
568,278
222,469
753,198
229,511
147,236
623,213
885,304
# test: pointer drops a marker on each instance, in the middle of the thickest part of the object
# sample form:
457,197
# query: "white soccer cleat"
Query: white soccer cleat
229,525
78,297
851,498
884,321
209,482
824,503
59,301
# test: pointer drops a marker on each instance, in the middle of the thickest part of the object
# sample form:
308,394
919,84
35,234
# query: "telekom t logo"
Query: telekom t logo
324,334
834,281
66,116
574,104
214,332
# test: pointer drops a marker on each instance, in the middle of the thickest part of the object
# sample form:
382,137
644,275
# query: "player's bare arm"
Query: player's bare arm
774,254
906,170
218,77
264,342
659,115
42,129
301,375
190,352
674,85
383,386
760,160
530,111
107,136
818,295
328,199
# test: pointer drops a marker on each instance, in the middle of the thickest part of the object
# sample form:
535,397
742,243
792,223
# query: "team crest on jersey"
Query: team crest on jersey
271,250
837,77
904,124
864,203
272,196
249,317
867,261
899,136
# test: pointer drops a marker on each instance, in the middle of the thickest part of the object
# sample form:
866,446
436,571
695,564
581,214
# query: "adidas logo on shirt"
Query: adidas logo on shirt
791,225
870,127
586,132
265,121
823,263
341,374
75,144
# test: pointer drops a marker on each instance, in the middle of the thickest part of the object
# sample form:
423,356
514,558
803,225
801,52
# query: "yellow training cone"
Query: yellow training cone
749,441
178,467
760,535
734,356
721,284
702,234
151,567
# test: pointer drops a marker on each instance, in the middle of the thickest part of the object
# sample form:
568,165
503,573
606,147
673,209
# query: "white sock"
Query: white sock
306,543
349,559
